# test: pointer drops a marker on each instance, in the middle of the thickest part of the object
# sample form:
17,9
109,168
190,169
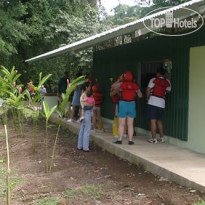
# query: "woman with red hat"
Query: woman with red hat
127,106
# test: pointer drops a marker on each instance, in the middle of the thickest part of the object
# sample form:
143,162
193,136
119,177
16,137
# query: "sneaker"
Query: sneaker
93,130
102,130
81,119
130,143
161,139
70,120
78,121
125,135
116,136
152,140
118,142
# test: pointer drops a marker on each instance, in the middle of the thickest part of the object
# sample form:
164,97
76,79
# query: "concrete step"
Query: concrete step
182,166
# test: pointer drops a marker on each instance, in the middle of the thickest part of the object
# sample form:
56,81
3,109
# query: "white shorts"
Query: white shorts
97,108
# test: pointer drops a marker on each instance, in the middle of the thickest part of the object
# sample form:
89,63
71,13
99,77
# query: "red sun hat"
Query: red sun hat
95,88
128,76
89,80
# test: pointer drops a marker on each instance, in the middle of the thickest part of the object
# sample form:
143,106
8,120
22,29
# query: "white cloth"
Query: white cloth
117,85
82,98
156,101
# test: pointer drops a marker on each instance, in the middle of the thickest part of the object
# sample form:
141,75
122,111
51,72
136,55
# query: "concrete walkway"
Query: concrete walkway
182,166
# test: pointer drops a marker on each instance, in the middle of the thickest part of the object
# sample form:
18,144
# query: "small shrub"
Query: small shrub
87,193
15,181
200,203
47,201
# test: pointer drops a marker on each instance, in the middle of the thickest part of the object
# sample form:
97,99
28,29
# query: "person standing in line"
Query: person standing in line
127,106
155,93
98,96
83,136
61,88
115,94
76,102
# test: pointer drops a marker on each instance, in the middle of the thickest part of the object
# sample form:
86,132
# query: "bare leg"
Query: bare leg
130,127
94,119
80,112
153,128
72,112
99,118
121,127
160,127
126,127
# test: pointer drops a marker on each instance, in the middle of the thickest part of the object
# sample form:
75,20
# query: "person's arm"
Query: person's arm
87,104
148,91
116,82
139,93
149,88
114,92
168,89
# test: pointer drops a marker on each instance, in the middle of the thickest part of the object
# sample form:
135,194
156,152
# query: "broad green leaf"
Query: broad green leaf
50,125
60,113
78,81
52,110
16,77
46,109
45,78
37,98
40,76
43,114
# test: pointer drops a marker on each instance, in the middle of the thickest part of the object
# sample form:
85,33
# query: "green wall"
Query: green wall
112,62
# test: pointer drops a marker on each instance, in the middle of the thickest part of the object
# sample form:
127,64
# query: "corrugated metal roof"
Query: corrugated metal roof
118,31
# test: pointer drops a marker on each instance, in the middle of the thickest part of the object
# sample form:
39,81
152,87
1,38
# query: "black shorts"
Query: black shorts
154,112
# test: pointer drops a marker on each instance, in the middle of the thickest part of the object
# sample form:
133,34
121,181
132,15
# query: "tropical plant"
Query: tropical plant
200,203
12,95
38,97
78,81
8,169
47,114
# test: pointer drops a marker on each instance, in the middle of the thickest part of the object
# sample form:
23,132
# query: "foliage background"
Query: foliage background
30,27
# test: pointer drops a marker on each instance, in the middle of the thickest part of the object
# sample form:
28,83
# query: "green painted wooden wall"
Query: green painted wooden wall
112,62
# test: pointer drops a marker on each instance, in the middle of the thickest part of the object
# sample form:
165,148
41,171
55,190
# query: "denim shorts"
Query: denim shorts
126,109
154,112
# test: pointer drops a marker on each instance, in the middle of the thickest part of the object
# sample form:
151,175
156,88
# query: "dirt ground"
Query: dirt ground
89,178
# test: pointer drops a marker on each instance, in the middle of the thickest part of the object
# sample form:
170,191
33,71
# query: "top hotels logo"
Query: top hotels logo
171,23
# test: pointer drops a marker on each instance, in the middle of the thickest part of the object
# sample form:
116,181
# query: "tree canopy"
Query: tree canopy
32,27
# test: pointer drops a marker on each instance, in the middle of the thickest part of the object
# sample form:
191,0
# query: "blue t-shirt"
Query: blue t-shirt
42,90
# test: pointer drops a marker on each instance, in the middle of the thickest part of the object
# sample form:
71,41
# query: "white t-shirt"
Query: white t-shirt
156,101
